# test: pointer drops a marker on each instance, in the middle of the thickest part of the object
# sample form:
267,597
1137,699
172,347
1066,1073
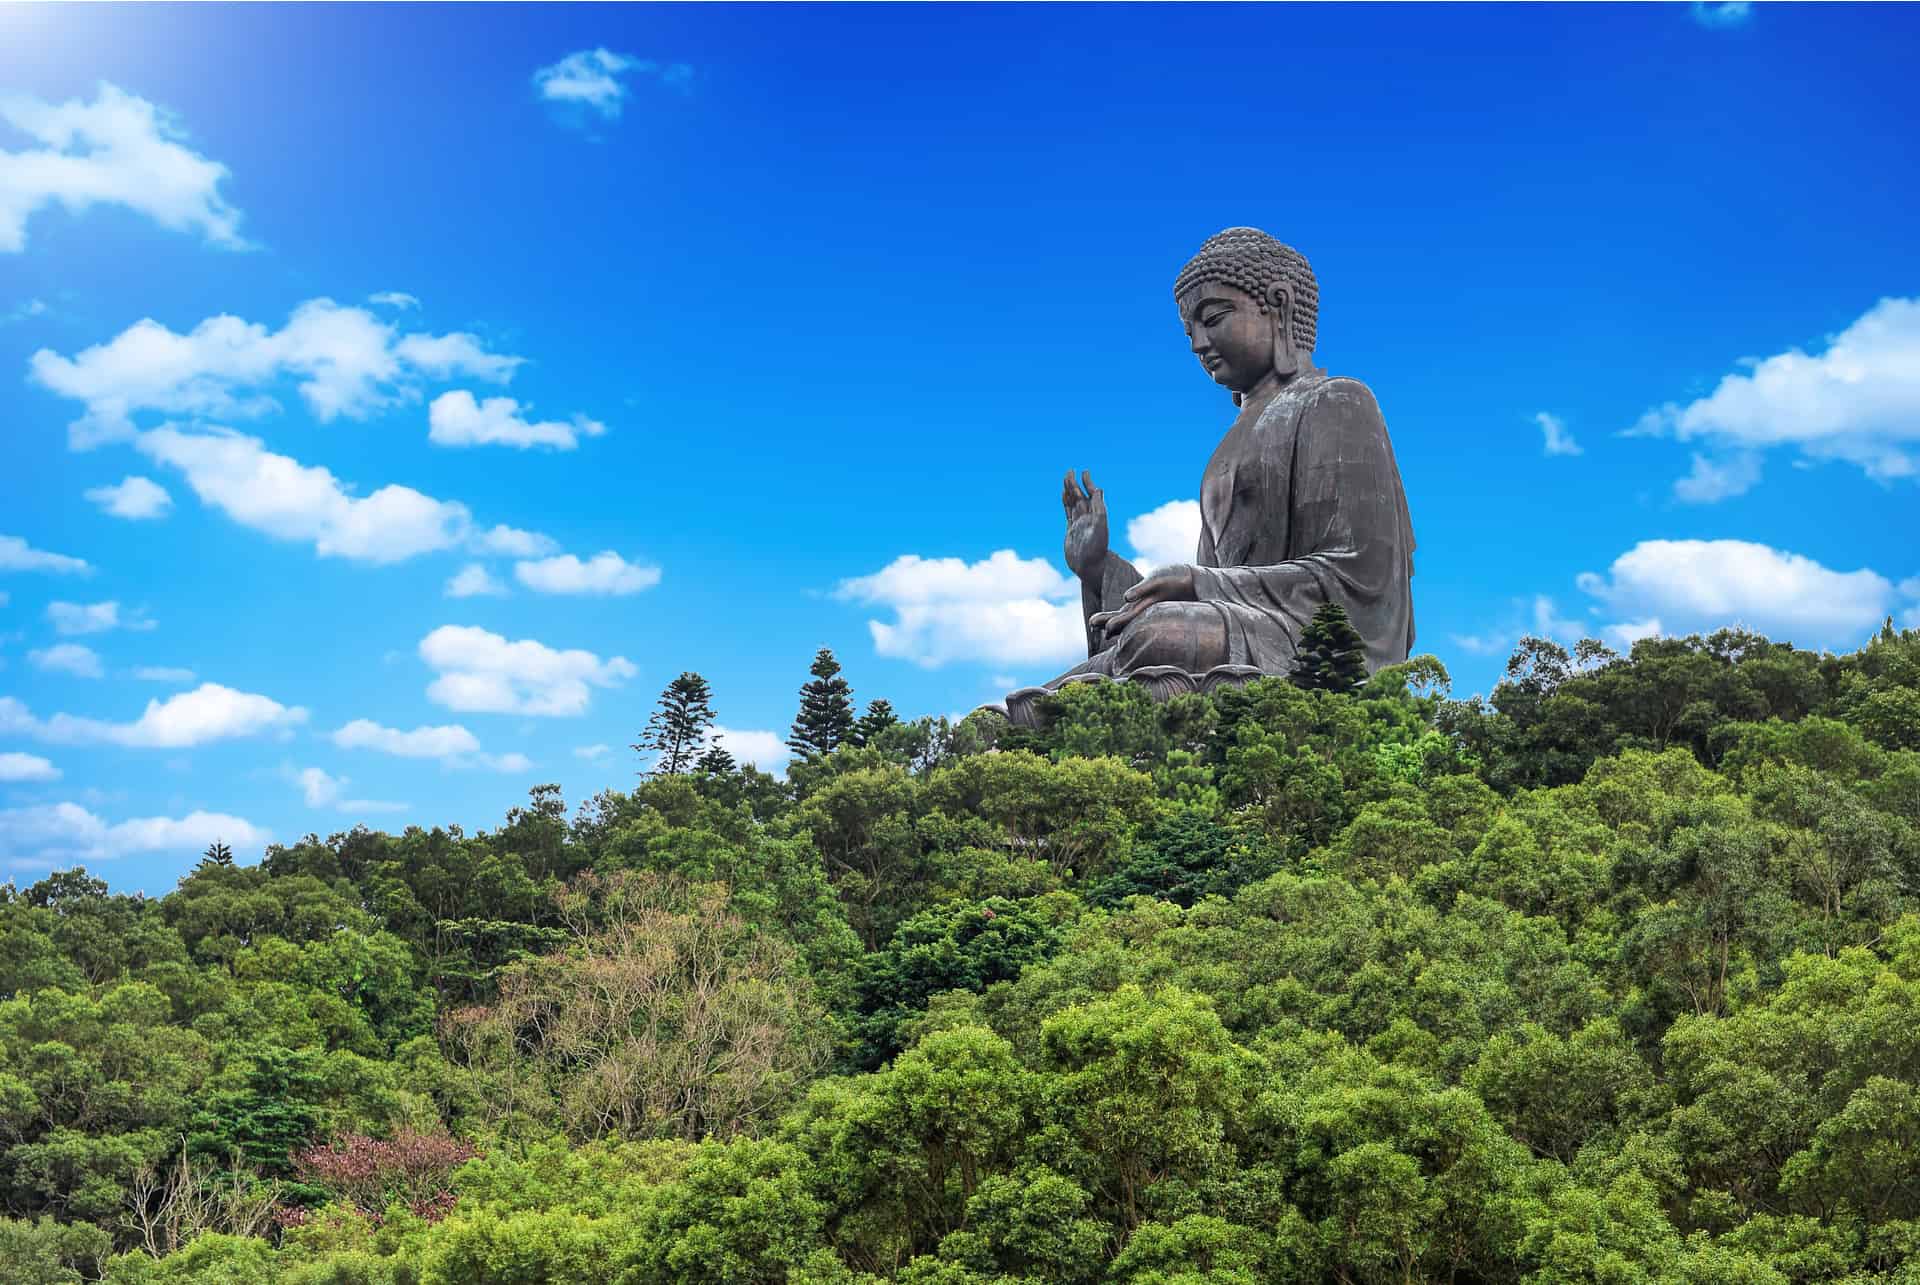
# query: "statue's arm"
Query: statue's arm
1105,593
1349,538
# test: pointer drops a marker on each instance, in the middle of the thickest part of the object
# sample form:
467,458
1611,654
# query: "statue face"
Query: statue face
1228,332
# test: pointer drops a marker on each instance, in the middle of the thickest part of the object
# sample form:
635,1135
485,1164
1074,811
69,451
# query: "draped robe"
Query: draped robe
1301,504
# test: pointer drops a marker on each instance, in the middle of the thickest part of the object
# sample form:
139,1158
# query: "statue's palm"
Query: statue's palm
1086,509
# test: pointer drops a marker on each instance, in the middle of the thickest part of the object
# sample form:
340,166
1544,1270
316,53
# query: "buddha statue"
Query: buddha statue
1301,503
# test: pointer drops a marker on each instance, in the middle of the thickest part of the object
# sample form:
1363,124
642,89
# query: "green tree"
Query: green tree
878,718
826,709
717,760
679,725
1332,656
217,854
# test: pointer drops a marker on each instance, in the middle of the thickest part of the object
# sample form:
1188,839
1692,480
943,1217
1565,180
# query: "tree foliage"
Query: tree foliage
1611,977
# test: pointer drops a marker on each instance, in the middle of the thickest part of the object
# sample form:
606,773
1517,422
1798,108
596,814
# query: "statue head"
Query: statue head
1250,307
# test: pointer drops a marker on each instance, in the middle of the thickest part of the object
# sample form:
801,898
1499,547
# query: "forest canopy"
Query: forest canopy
1610,976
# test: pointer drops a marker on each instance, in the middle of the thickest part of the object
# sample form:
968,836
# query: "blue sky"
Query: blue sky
479,370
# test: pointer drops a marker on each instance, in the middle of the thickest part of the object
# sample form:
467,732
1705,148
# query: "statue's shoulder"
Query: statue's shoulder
1344,395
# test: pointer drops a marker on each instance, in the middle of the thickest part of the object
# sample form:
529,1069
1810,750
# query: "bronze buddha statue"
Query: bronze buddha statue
1301,503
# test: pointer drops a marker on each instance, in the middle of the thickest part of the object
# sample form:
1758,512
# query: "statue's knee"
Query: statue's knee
1169,633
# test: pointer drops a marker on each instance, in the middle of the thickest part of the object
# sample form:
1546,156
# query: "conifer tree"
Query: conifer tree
878,718
717,761
1332,656
679,726
217,854
826,709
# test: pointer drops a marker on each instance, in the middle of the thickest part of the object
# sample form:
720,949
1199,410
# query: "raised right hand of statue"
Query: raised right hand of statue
1086,526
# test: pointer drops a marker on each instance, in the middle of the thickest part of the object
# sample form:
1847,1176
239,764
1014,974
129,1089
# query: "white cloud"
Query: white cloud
31,308
1558,441
17,555
592,753
452,744
291,501
135,498
606,574
420,743
209,712
474,581
26,767
73,618
163,674
117,150
1628,632
482,672
346,361
511,542
1859,401
1713,480
324,791
767,751
1725,13
394,299
456,419
68,658
591,79
1166,536
1679,586
67,832
1003,609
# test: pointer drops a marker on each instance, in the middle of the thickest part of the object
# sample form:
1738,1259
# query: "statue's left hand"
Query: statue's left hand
1168,584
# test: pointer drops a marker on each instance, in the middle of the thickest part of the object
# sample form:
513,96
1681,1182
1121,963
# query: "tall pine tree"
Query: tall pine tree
679,725
826,709
1332,656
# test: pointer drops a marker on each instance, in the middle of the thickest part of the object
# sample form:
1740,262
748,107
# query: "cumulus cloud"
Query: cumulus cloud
285,499
75,618
1557,440
1003,609
344,360
68,658
482,672
453,745
65,833
324,791
1682,586
606,574
510,542
1718,479
457,419
1166,536
1858,401
593,80
474,581
17,555
117,150
767,751
393,299
135,498
208,713
16,768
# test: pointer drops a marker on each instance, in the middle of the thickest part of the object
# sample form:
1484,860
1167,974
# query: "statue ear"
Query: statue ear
1279,301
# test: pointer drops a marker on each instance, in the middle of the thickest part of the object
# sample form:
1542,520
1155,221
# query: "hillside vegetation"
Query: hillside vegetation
1614,977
